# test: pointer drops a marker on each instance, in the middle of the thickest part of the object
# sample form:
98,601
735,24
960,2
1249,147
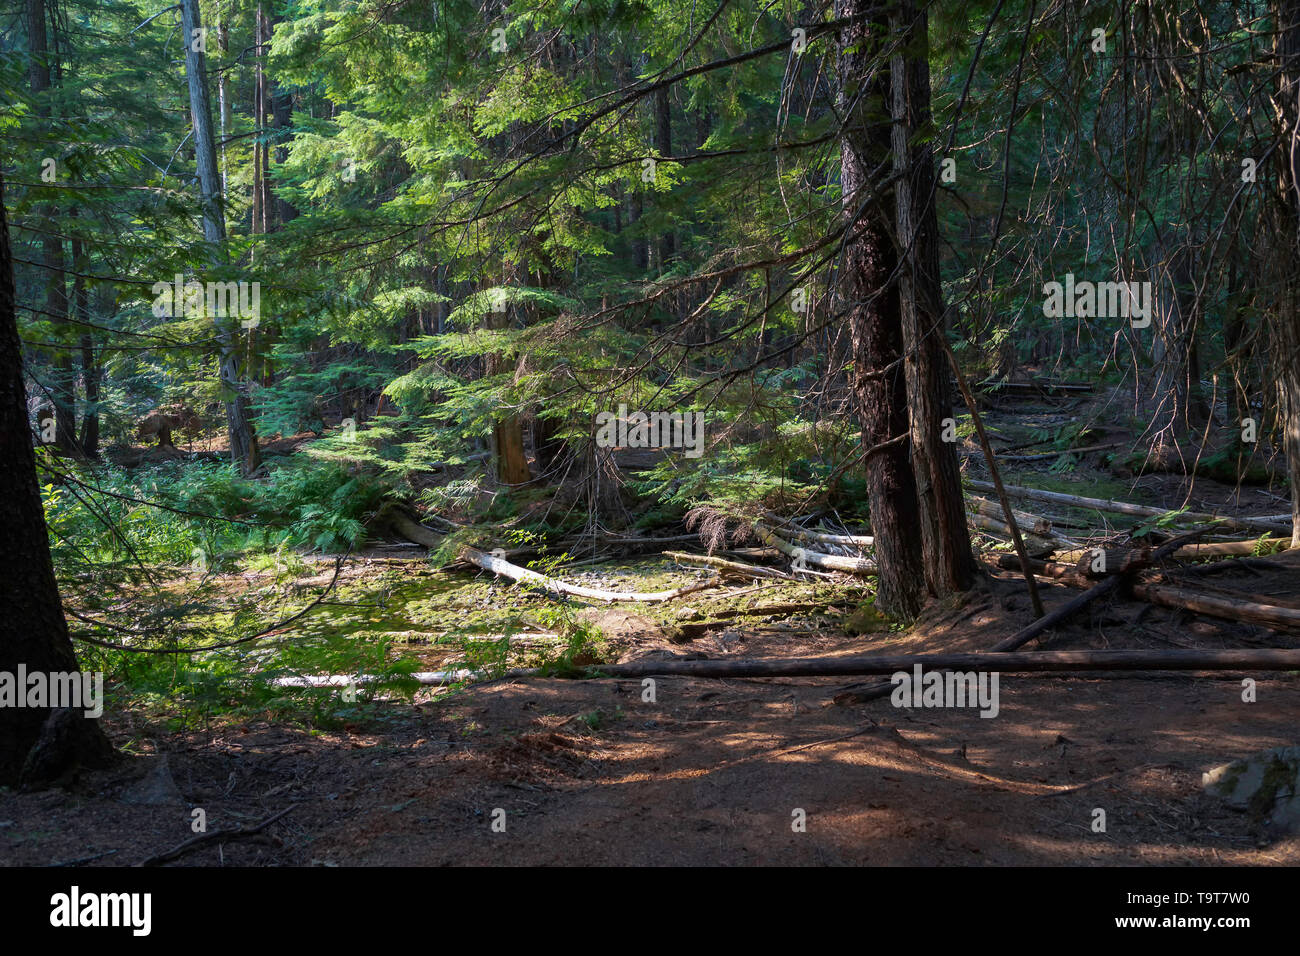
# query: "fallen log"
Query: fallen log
1035,523
404,525
791,530
1120,662
1024,662
1048,455
410,529
504,568
1138,511
1248,548
358,680
1218,605
1039,542
832,562
1068,573
450,639
728,567
1025,635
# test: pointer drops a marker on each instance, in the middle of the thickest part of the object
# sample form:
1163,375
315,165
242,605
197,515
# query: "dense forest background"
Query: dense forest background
460,232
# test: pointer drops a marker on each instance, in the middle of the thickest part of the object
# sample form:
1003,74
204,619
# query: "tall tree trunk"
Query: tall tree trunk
945,542
508,432
664,146
875,322
281,122
640,245
37,745
224,110
243,441
90,370
1285,324
261,190
62,391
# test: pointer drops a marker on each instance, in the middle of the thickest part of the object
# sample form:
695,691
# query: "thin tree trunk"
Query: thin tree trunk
640,245
664,146
223,99
90,369
37,744
282,122
243,442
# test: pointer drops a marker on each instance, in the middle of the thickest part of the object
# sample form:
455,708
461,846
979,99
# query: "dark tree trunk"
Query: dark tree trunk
33,632
945,542
90,370
260,193
1286,318
282,122
508,431
640,246
56,295
664,145
512,461
243,442
875,321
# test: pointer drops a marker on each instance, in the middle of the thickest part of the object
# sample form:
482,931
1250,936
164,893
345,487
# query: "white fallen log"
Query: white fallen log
831,562
359,680
792,530
504,568
438,637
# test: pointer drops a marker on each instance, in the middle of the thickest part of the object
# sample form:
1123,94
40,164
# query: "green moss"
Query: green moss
866,620
1279,775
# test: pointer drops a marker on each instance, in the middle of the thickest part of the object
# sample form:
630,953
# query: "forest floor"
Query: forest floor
713,771
717,771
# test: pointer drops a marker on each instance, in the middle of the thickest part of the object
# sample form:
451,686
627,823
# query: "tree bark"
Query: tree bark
508,431
88,442
1285,325
33,631
875,321
62,391
243,441
664,146
945,542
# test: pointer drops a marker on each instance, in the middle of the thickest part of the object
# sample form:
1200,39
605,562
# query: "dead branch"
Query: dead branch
203,839
728,567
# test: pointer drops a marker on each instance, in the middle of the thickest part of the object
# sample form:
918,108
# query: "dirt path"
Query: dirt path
711,773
